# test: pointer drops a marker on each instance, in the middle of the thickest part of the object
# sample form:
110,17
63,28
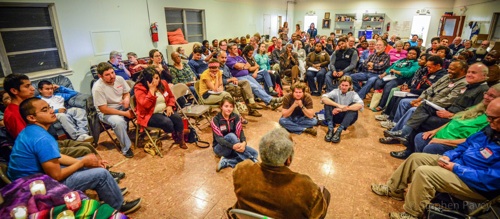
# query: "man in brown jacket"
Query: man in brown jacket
272,189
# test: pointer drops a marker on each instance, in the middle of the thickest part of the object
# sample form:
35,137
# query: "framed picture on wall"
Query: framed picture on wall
326,23
327,15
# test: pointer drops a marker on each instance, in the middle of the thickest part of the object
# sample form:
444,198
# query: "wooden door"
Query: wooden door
451,27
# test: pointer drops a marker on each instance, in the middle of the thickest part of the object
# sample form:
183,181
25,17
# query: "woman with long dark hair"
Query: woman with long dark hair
156,60
155,104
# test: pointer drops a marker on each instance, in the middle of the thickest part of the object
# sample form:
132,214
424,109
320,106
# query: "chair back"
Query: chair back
244,214
180,90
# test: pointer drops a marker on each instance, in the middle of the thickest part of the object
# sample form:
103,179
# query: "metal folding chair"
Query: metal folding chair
154,141
195,110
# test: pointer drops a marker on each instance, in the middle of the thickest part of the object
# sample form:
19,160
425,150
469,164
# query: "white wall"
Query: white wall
224,18
476,10
400,11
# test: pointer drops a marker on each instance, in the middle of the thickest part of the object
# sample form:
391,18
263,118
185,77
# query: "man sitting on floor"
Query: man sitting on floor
74,119
470,171
272,189
298,112
36,151
341,107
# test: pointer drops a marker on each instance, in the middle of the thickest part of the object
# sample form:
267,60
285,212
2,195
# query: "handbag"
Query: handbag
377,95
190,135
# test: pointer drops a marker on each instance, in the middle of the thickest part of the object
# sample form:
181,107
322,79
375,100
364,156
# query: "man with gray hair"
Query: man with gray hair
295,195
115,59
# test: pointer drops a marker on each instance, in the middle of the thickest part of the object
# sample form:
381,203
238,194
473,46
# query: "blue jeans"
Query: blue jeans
387,90
74,122
256,88
403,106
402,121
231,156
100,180
345,119
320,78
370,79
120,126
263,76
422,145
330,85
297,124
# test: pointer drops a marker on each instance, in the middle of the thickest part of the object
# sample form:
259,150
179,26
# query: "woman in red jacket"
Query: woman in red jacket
155,104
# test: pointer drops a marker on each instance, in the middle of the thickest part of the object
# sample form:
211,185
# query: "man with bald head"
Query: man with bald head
456,45
471,171
491,61
426,118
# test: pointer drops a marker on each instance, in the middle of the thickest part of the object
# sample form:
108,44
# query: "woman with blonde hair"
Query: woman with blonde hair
456,131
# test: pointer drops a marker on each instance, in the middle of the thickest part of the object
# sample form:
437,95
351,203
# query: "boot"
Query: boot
336,136
181,142
329,135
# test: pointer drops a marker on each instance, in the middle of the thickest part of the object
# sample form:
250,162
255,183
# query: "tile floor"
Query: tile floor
184,184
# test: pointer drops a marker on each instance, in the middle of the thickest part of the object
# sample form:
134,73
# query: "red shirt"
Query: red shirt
131,67
270,49
13,120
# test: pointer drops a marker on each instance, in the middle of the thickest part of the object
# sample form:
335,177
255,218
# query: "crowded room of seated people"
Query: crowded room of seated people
277,109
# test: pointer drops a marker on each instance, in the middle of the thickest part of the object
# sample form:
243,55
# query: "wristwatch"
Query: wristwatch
303,107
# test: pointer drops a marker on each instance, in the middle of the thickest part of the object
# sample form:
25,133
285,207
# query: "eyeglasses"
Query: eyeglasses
490,95
484,44
492,118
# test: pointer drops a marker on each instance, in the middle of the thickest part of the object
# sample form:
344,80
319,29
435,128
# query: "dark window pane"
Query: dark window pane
193,16
195,39
24,17
173,15
34,61
195,29
28,40
174,27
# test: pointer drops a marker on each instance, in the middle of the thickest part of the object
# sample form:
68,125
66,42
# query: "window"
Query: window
191,22
29,39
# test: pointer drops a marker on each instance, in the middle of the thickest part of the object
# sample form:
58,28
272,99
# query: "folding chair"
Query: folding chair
244,214
445,205
96,126
154,142
197,89
195,110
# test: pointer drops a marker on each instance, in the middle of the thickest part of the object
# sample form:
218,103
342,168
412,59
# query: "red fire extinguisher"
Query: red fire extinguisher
388,26
154,32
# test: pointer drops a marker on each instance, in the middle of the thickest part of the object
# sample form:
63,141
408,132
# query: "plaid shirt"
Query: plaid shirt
377,59
182,76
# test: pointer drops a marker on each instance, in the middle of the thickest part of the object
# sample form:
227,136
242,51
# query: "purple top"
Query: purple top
231,61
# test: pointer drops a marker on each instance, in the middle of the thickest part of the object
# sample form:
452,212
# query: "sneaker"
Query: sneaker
130,206
401,215
393,134
84,138
382,117
129,153
273,93
254,113
124,190
221,165
275,106
383,190
388,124
311,131
276,100
117,175
254,106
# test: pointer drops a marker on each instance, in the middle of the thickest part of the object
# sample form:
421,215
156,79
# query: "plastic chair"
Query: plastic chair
146,130
244,214
195,110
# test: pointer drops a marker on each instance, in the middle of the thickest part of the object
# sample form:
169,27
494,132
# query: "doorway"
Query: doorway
420,26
